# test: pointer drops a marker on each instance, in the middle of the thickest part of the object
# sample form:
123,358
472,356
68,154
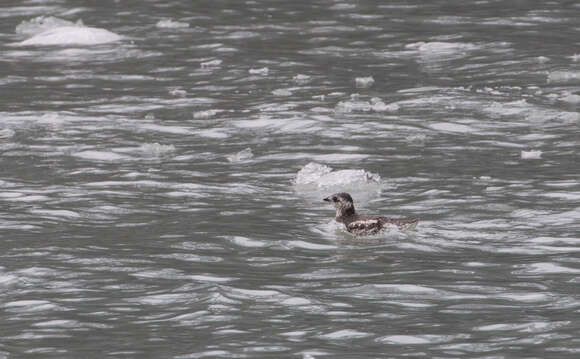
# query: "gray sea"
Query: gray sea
163,164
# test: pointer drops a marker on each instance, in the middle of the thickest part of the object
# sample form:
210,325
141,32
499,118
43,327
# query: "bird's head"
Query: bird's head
343,203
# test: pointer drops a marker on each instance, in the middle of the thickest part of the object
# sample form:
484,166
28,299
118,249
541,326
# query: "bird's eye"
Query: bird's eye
334,199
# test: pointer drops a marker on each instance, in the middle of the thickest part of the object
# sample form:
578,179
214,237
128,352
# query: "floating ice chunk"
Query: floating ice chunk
42,23
178,92
204,115
321,176
364,82
263,71
542,59
575,57
416,139
210,64
301,79
243,155
353,105
571,98
72,35
6,133
563,76
282,92
171,24
531,155
379,106
156,149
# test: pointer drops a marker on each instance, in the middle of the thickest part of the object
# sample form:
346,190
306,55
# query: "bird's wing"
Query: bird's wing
404,224
365,226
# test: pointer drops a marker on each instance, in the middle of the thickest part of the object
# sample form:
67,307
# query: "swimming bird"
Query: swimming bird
364,225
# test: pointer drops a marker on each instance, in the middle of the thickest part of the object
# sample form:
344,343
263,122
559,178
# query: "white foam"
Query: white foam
171,24
531,155
72,35
322,176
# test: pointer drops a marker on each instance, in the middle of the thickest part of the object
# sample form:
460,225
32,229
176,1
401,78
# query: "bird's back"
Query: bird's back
370,225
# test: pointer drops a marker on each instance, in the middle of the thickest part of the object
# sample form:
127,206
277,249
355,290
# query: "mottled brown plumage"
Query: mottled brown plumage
364,225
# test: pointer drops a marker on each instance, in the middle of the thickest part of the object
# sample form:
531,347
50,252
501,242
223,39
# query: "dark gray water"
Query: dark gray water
161,193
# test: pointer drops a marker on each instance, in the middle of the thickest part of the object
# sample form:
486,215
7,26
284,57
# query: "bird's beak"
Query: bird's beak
327,199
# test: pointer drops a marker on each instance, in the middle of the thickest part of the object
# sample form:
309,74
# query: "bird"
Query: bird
364,225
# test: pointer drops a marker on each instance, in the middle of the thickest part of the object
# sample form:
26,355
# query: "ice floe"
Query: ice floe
43,23
531,155
318,176
48,31
72,35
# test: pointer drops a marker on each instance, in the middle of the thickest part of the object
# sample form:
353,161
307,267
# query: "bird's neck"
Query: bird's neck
345,212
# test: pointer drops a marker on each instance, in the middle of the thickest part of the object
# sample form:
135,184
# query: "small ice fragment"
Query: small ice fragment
204,115
364,82
263,71
301,79
563,76
542,59
323,176
156,149
575,57
171,24
178,92
282,92
210,64
243,155
350,106
150,117
531,155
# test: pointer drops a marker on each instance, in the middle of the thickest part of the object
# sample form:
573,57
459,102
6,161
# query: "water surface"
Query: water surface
150,204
